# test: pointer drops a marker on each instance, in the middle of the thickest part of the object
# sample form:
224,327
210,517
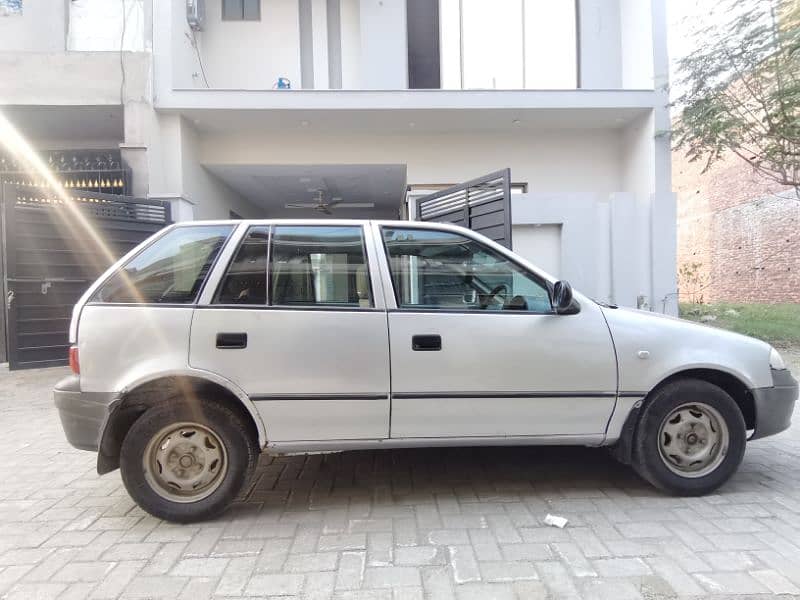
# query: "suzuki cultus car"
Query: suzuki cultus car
212,342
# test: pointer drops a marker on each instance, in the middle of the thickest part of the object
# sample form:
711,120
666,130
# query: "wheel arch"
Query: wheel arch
136,398
732,384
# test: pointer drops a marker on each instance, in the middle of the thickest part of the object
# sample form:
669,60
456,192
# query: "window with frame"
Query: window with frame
319,266
241,10
10,7
513,44
245,281
441,270
170,270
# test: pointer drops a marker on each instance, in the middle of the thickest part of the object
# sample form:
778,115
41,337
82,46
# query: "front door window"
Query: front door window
440,270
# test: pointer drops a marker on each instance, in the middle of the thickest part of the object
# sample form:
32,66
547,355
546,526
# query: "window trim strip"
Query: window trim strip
234,254
489,395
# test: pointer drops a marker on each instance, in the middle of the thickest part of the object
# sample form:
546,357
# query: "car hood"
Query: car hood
671,324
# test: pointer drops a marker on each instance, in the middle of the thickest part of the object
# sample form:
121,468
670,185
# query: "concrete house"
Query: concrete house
226,108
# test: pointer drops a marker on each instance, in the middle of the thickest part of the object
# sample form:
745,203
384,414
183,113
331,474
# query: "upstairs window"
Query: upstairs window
513,44
10,7
241,10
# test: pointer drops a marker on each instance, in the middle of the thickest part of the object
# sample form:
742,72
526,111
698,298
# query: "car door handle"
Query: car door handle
422,343
231,341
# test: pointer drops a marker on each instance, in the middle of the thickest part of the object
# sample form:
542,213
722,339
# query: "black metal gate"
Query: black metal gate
482,204
54,249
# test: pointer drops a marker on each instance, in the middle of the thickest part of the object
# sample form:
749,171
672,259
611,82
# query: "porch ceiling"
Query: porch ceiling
271,187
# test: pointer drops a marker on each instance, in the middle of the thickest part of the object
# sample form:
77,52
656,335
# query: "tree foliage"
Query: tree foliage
741,88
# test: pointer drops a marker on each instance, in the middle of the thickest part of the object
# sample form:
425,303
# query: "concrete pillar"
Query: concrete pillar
599,43
664,253
384,47
181,208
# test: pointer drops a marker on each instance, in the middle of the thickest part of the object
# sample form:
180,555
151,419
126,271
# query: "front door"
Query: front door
476,350
308,343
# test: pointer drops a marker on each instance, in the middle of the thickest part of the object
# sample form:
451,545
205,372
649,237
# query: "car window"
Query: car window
442,270
170,270
319,266
245,280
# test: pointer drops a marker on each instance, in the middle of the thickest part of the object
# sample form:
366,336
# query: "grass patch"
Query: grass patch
769,322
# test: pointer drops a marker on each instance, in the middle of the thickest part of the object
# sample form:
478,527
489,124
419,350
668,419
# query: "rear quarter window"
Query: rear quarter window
170,270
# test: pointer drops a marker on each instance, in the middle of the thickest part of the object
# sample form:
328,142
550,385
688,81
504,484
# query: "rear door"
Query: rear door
306,338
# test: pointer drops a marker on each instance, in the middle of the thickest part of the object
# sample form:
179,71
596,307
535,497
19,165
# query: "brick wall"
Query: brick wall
742,231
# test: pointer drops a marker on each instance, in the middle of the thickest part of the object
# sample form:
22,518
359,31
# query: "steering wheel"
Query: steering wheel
488,298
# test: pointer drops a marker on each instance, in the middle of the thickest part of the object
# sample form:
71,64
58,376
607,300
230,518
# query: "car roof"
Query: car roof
333,222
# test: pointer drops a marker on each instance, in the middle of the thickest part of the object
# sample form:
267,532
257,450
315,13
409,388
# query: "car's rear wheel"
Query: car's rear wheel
187,462
690,438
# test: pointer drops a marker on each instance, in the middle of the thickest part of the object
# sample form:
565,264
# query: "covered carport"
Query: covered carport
343,191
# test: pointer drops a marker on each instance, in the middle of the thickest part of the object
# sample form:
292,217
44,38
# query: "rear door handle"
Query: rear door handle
423,343
231,341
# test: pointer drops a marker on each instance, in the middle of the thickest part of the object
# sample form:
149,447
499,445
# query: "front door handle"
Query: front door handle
423,343
231,341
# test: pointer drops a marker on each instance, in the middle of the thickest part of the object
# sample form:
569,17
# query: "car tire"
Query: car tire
690,438
187,462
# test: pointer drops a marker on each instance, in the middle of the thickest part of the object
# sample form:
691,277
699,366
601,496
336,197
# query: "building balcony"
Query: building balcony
364,54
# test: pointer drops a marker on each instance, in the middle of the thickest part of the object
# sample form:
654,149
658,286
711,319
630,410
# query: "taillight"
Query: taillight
74,363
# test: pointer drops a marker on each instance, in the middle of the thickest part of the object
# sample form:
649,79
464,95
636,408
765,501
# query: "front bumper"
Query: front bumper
83,414
775,405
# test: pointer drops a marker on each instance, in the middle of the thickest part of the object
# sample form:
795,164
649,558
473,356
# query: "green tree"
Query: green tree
741,89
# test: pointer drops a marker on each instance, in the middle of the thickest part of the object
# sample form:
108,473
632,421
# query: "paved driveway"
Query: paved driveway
462,523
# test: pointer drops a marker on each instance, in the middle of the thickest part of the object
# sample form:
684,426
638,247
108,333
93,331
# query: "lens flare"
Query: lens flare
16,144
92,244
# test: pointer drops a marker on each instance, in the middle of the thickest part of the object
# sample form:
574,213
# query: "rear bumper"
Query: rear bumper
775,405
83,414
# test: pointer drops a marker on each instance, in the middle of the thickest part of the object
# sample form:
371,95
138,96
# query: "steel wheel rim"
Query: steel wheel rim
185,462
693,440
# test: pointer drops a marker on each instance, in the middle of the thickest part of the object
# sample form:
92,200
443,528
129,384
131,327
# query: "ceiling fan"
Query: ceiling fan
323,205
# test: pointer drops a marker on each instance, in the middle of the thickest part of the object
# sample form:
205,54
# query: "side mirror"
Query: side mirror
562,296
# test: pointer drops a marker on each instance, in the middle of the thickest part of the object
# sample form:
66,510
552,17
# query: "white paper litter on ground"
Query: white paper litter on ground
555,521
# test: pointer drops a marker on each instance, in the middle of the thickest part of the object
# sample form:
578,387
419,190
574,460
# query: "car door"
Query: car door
306,338
476,350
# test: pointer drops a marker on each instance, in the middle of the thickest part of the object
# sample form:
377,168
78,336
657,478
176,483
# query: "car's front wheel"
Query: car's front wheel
690,438
187,462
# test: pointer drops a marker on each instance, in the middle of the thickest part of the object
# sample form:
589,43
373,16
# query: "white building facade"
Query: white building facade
240,107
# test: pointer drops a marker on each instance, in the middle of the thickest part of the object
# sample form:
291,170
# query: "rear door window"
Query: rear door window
319,266
171,270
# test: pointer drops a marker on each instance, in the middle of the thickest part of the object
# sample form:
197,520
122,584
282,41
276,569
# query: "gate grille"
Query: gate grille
55,248
483,205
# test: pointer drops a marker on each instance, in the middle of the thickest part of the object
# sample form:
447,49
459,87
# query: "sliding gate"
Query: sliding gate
54,249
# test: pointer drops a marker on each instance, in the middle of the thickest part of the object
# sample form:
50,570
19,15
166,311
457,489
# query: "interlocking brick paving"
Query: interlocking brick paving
434,524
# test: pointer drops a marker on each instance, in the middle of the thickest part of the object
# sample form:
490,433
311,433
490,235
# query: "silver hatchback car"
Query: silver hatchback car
214,341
